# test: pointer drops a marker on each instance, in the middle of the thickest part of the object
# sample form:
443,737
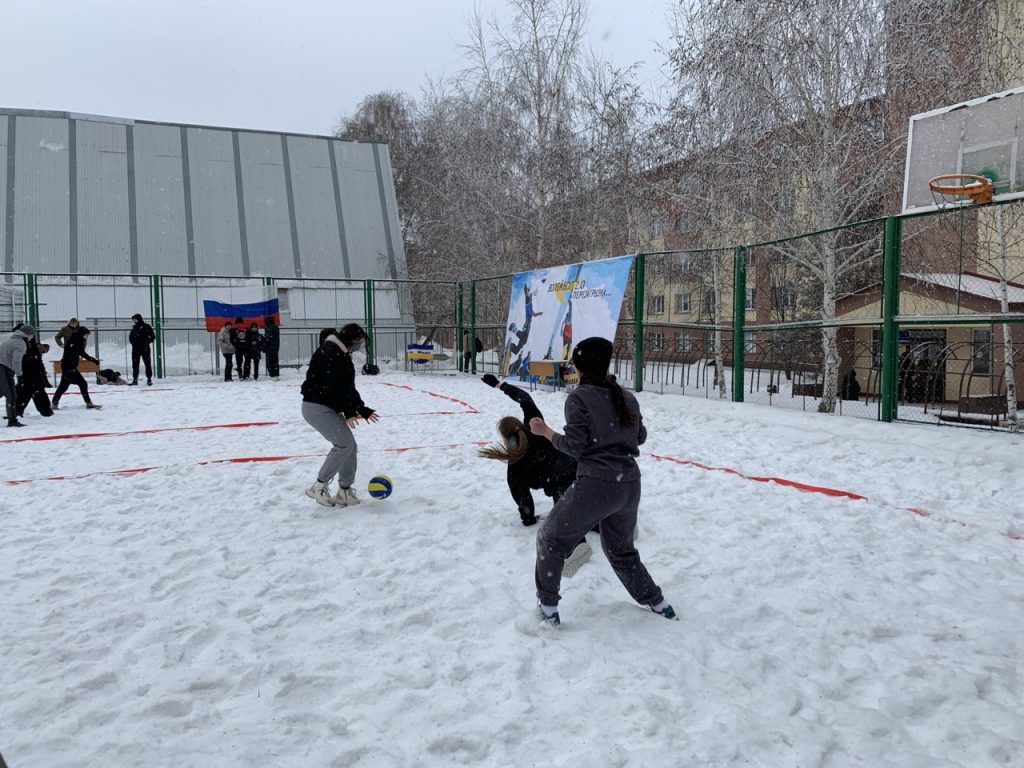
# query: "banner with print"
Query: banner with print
550,310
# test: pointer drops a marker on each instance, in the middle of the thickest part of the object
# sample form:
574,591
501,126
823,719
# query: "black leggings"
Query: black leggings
67,378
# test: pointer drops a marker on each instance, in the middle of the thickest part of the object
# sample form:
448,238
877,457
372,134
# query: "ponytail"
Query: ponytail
515,442
623,412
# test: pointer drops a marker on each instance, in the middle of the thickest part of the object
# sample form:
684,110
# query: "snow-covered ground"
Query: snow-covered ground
206,613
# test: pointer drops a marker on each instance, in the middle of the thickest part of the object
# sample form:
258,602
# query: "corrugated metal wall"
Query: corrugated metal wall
103,195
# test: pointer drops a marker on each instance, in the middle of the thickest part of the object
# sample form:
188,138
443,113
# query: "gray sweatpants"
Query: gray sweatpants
341,461
8,392
588,502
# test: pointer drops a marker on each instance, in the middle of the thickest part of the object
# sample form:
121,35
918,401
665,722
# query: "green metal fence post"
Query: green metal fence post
739,320
472,326
890,308
458,326
371,306
638,322
31,302
156,312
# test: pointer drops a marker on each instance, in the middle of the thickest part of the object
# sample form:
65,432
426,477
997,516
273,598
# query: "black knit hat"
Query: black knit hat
593,356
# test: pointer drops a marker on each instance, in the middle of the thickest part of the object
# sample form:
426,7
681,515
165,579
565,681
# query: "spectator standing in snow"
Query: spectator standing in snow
254,351
141,337
603,432
12,357
242,347
469,349
272,346
238,328
533,463
74,350
34,381
226,347
66,332
332,406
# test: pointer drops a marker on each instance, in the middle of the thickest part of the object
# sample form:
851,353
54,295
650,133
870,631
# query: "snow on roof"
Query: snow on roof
976,285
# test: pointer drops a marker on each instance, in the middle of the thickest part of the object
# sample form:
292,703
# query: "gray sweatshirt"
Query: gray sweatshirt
604,448
13,350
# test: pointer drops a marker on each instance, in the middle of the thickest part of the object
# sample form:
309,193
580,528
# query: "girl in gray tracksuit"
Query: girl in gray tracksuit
603,432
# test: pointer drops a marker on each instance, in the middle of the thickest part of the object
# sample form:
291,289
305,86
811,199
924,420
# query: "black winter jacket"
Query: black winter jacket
33,368
141,336
543,466
272,339
74,348
331,380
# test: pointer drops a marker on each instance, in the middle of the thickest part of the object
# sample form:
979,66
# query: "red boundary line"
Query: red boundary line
463,403
833,492
82,435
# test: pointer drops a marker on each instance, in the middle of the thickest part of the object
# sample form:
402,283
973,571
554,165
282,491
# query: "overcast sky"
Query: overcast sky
270,64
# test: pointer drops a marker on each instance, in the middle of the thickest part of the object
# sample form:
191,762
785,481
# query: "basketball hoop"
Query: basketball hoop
977,188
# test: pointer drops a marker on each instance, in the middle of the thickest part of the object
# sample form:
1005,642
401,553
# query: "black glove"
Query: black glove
490,380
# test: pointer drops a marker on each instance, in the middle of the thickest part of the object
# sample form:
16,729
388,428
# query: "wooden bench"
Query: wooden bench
84,366
554,372
809,389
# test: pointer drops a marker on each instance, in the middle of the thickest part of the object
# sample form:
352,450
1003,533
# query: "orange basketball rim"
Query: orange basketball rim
977,188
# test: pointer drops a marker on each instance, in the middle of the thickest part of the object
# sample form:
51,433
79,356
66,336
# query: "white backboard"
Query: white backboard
978,137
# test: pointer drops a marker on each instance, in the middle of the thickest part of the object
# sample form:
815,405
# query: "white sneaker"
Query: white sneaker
346,497
575,561
321,494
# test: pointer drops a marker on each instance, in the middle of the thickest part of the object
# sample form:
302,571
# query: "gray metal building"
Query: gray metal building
83,194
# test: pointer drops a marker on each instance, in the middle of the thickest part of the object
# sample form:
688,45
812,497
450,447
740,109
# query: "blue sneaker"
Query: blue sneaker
668,613
550,620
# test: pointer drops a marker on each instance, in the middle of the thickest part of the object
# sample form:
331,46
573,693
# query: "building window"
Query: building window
751,298
709,341
657,341
658,228
683,303
981,351
684,223
683,342
656,305
876,349
784,297
749,343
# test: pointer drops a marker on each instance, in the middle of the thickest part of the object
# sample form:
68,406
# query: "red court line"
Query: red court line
463,403
833,492
235,460
80,435
103,389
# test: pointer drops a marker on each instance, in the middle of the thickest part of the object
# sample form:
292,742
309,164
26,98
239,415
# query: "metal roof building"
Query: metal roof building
84,194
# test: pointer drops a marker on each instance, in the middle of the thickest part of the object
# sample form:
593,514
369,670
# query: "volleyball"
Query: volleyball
380,487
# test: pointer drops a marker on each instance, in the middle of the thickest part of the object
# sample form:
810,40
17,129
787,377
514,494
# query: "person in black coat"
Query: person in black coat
332,406
243,345
469,349
141,337
254,351
34,380
272,346
74,350
533,463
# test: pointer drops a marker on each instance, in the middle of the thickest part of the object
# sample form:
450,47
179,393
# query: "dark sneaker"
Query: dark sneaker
149,382
93,405
530,519
133,383
14,423
668,613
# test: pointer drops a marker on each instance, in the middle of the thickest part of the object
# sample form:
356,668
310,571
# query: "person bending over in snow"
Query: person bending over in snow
12,359
332,406
603,431
34,381
74,349
533,463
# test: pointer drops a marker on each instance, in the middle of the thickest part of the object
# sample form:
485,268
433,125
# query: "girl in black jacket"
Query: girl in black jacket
533,463
332,406
74,350
254,352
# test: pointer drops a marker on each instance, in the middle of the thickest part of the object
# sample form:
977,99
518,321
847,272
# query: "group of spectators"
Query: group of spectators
243,348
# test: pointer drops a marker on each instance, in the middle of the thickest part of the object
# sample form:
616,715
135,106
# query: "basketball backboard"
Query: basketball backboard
980,137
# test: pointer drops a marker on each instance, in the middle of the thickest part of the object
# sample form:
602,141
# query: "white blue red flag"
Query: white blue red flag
252,303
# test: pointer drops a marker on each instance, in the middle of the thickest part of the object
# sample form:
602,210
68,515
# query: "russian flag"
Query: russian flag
251,303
